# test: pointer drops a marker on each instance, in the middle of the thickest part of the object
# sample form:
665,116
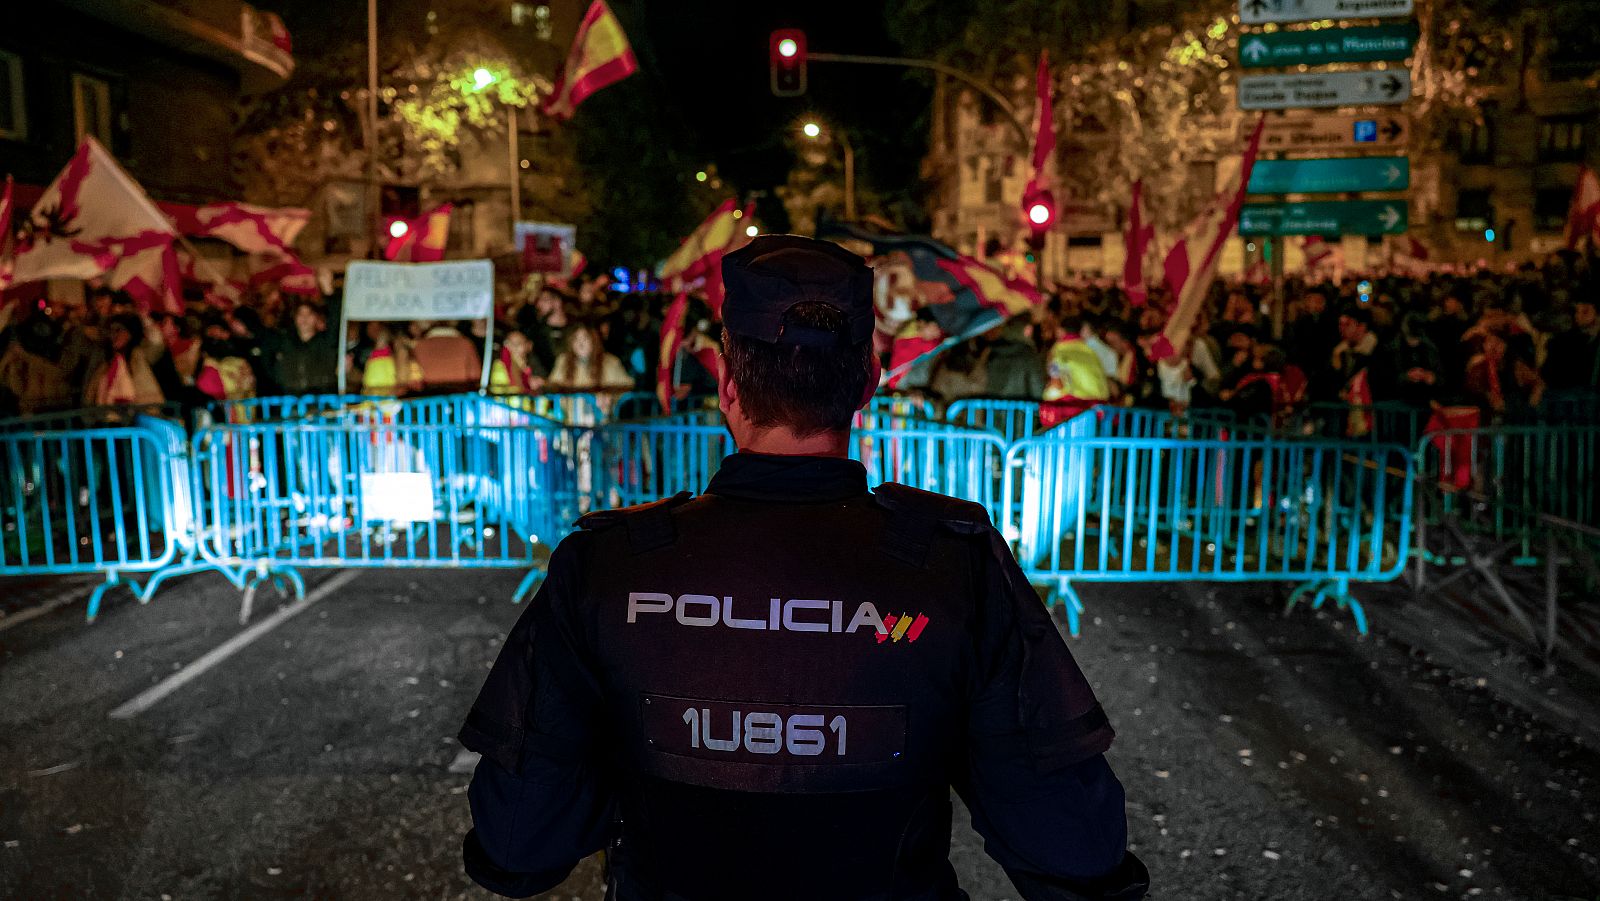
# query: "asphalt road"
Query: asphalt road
1264,756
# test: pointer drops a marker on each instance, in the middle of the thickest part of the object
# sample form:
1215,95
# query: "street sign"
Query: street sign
1331,217
1372,44
1258,12
1331,132
1330,176
1322,89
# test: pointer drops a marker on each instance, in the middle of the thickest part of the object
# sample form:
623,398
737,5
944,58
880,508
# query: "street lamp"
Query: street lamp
814,131
751,230
482,78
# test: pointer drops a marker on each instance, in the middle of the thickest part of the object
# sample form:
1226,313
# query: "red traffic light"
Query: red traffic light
1039,206
788,58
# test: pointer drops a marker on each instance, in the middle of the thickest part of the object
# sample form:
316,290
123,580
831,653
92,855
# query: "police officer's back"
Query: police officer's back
768,691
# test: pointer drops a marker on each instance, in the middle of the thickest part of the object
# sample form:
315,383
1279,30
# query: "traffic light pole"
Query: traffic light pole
957,74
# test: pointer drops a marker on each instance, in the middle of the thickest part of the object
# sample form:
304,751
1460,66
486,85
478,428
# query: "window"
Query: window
13,118
91,108
1562,140
1550,207
1474,210
993,182
1475,141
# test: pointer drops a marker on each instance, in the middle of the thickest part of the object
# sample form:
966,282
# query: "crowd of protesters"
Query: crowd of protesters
1507,343
1510,344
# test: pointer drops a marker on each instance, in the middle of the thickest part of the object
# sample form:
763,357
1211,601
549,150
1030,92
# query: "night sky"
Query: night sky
711,56
706,63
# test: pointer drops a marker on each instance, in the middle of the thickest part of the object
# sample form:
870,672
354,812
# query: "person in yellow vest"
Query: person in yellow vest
389,358
1077,381
515,369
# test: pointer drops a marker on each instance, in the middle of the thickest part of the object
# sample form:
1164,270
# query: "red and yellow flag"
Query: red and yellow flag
700,254
424,239
5,235
671,339
600,57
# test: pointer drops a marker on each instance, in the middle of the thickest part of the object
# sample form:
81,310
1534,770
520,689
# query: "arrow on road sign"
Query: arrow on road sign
1255,50
1392,173
1257,7
1390,217
1392,130
1392,86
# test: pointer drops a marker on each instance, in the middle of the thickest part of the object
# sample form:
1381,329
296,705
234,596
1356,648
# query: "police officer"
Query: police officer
769,691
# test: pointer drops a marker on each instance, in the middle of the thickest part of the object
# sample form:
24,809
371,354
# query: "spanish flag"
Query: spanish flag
424,238
671,340
600,56
700,254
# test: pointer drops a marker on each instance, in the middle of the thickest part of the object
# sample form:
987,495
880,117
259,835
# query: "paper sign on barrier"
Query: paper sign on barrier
397,496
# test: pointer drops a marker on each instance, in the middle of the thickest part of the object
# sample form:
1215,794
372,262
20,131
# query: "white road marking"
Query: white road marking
22,616
155,693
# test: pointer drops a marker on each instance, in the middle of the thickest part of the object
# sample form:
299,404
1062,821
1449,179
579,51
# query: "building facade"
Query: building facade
155,81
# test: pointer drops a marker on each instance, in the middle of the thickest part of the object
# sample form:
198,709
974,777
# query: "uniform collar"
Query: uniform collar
770,477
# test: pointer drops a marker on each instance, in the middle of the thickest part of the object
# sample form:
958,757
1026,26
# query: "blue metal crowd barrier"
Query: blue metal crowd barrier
474,481
284,496
1500,481
115,500
1157,508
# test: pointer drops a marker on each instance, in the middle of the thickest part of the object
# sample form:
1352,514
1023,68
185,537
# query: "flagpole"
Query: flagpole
374,215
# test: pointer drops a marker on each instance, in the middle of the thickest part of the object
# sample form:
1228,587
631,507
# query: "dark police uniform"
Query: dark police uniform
768,692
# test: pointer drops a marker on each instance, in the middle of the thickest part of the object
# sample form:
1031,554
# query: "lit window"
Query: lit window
1474,210
13,115
1550,208
91,108
1562,140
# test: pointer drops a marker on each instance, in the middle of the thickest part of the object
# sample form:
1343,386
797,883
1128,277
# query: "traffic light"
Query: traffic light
1039,208
788,55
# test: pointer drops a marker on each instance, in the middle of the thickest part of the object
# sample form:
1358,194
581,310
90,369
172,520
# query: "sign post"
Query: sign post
1260,12
406,292
1332,132
1331,176
1370,44
1325,217
1324,89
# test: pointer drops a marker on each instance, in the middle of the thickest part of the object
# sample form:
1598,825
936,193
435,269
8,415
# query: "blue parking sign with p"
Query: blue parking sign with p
1366,131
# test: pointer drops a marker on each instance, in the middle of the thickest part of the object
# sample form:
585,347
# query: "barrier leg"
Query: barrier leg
1322,590
113,579
1071,604
528,585
266,572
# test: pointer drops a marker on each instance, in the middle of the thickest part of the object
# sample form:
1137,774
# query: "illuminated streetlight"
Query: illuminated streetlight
752,231
812,129
1039,213
701,175
787,48
398,228
482,78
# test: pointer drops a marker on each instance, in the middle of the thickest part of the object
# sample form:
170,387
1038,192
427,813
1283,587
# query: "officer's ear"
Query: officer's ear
726,394
873,377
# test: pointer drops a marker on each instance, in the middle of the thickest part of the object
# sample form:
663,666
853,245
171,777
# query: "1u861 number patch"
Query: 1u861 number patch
779,734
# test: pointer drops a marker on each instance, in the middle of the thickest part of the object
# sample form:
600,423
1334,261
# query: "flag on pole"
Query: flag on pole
600,57
1136,243
671,339
5,235
250,228
700,255
965,297
1192,263
1583,218
424,238
1044,129
94,220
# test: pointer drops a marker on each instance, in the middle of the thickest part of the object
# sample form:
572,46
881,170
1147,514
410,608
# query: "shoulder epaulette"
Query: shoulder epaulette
916,514
649,525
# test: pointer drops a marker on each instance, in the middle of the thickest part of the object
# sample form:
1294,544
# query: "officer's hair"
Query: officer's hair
806,389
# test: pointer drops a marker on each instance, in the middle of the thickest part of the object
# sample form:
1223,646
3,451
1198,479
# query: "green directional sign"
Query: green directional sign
1333,217
1370,44
1330,176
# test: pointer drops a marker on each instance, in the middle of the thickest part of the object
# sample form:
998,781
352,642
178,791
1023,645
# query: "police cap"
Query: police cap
771,274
